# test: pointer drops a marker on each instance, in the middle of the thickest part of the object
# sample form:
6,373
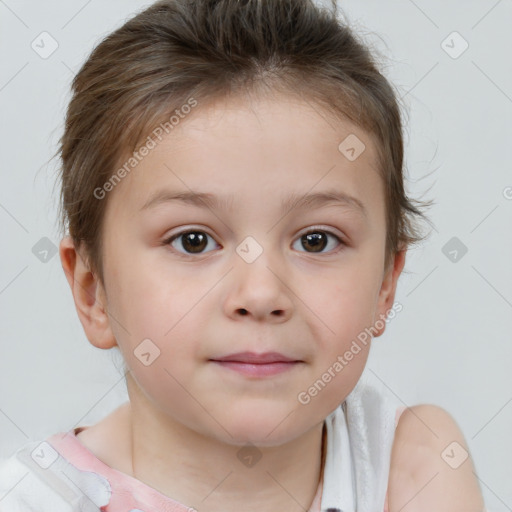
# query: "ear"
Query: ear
88,294
388,288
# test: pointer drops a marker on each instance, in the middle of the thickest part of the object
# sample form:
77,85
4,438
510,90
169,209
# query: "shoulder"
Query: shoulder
38,478
21,489
431,468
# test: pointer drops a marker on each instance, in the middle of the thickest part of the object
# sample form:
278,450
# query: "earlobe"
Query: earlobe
88,294
388,289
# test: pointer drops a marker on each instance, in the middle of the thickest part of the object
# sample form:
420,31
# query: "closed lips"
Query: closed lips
252,358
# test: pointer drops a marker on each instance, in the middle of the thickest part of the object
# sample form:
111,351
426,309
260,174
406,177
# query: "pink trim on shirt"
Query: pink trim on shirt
127,492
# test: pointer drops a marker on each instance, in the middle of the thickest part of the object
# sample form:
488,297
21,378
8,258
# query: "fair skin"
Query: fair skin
420,479
187,417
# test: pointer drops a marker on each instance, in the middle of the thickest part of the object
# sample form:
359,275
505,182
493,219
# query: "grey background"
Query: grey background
451,343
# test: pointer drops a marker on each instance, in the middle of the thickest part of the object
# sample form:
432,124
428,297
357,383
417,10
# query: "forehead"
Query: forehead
256,151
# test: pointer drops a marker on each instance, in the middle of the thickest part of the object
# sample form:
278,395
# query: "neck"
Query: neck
211,476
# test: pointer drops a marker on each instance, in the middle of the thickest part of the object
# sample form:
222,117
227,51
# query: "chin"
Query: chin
263,431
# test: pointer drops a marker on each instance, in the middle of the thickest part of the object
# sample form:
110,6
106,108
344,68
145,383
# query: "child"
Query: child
250,130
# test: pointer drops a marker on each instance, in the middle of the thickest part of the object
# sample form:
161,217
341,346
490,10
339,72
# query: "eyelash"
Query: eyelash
168,241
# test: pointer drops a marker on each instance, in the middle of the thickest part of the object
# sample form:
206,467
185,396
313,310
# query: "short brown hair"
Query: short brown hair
208,49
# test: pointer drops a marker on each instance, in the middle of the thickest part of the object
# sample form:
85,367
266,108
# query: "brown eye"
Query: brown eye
192,242
316,241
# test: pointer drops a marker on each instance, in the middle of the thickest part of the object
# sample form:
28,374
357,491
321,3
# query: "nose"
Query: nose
257,290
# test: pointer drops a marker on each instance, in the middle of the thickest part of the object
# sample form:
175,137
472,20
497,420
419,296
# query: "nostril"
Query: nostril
277,312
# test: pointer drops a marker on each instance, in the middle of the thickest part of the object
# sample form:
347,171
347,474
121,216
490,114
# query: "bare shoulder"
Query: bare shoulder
431,467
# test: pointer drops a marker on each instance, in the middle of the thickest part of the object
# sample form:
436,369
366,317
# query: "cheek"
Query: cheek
151,305
343,302
148,290
166,384
342,343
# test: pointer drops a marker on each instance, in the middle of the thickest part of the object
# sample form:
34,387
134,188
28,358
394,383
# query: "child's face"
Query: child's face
304,300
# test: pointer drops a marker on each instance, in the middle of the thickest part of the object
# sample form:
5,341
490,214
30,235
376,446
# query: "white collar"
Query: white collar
360,435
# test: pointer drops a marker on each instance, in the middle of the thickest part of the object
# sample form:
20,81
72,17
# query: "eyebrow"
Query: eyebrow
295,200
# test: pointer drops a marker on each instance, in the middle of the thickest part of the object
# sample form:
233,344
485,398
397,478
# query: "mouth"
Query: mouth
254,358
257,365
